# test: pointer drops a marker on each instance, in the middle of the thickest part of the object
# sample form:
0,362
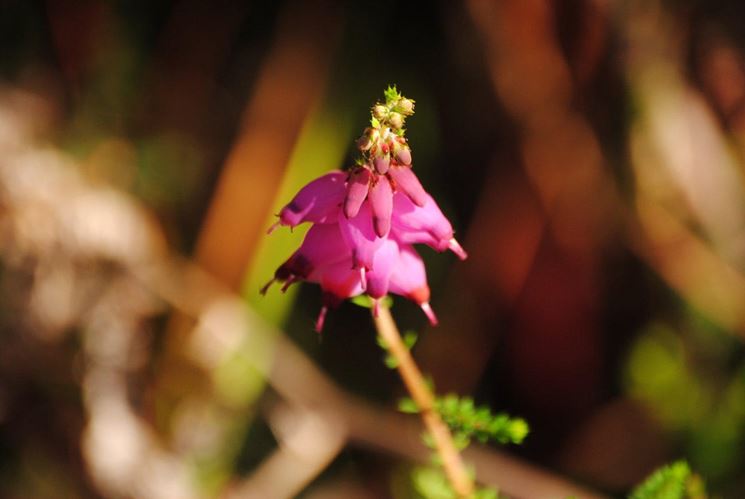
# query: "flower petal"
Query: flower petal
338,282
381,204
408,183
323,245
317,202
386,259
409,277
412,224
359,235
359,183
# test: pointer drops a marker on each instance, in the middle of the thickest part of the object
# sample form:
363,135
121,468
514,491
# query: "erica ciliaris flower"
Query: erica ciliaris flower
366,220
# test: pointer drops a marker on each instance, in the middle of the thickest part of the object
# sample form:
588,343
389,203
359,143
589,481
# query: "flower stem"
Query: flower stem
421,394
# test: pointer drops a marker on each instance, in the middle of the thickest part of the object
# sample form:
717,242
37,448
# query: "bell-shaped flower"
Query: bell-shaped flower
347,259
317,202
424,224
409,279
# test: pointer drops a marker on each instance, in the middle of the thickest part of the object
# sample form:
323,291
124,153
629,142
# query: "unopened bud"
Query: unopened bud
396,120
405,106
403,156
381,163
364,143
380,111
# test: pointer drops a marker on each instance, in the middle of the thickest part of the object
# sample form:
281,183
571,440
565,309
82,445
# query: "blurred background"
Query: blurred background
590,154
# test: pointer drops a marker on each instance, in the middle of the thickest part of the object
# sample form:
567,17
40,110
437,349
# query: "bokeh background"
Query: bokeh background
590,154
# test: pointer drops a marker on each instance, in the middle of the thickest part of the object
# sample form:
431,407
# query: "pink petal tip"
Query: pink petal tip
427,309
456,248
321,319
273,227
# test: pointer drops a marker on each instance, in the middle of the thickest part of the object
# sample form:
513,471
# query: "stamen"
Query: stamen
290,281
429,313
321,319
456,248
266,287
274,226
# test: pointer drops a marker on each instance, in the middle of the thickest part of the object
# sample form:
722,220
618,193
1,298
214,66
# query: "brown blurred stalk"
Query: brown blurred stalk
420,392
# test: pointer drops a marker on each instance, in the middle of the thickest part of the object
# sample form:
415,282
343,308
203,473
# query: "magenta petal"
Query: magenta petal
338,281
412,224
360,237
317,202
359,183
381,203
323,245
386,259
409,277
408,183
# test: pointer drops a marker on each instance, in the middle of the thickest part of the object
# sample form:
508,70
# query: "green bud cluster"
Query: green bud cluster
383,142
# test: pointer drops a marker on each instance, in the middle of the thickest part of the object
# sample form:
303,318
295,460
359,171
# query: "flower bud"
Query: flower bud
403,156
381,163
380,111
405,106
396,120
364,143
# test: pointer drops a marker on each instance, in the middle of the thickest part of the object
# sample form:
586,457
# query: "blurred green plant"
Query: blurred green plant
693,381
431,483
672,481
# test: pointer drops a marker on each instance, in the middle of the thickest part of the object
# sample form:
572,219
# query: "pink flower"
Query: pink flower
346,255
366,221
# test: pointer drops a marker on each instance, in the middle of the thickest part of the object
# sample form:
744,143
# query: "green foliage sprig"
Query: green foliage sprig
465,419
469,421
431,483
673,481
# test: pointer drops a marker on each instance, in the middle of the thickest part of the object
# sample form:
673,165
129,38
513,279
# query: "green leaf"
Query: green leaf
461,440
381,342
390,361
668,482
374,122
486,493
432,483
407,405
518,430
410,338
